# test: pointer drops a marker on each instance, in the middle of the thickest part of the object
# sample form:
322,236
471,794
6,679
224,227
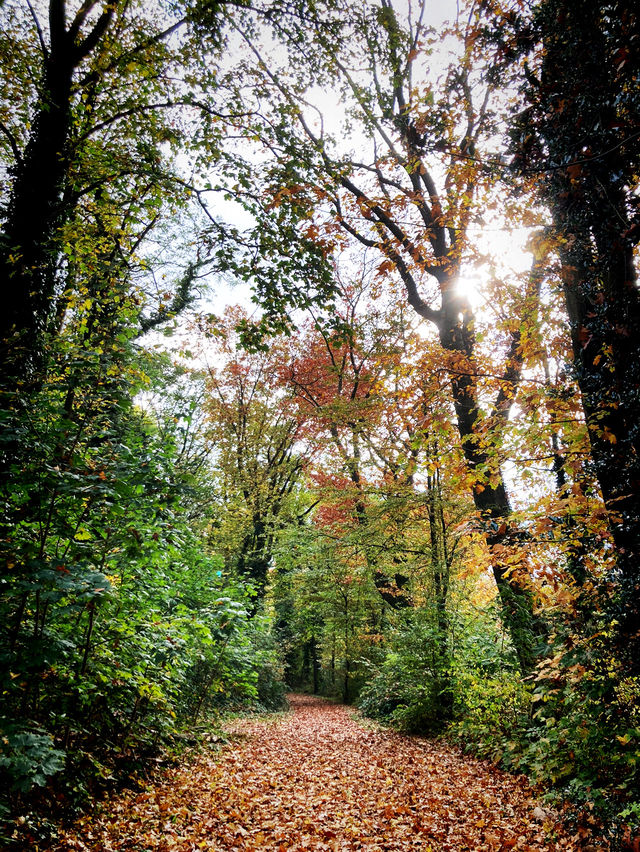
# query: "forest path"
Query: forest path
318,780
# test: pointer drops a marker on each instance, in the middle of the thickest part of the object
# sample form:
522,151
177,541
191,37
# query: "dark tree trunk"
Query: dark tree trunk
254,558
604,312
440,567
315,664
584,117
489,492
31,242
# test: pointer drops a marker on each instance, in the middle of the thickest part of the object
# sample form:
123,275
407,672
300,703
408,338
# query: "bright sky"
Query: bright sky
507,249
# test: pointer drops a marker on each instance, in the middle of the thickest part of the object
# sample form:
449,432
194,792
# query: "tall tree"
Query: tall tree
96,113
578,135
337,382
410,199
255,435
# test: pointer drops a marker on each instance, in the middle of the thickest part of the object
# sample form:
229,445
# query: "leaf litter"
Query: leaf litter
319,780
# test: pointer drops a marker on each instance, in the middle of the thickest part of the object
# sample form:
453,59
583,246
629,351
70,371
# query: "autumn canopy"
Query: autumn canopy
320,372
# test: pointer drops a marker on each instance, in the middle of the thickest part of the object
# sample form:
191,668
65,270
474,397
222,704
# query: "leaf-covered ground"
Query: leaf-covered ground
319,780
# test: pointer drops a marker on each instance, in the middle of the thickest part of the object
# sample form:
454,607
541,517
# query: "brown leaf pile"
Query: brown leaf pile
319,781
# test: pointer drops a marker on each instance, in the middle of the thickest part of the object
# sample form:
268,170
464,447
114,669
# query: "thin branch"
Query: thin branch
80,18
90,42
43,45
133,52
415,300
12,143
141,108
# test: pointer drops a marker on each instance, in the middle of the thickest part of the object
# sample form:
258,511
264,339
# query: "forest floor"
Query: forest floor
317,779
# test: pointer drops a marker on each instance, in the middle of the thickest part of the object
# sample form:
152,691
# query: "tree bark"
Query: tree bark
584,111
489,492
31,241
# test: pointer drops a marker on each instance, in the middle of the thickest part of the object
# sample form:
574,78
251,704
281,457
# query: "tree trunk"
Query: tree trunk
604,313
489,491
583,116
440,567
32,241
315,663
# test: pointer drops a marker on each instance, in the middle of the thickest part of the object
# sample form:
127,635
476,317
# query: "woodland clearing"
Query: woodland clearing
318,779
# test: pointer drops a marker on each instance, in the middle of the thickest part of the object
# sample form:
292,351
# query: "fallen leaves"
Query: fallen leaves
320,781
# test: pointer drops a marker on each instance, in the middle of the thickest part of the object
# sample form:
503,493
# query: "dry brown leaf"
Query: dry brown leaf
319,781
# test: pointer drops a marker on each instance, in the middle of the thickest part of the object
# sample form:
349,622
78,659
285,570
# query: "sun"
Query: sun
468,287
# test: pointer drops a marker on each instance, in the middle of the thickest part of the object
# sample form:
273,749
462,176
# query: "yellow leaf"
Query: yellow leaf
82,535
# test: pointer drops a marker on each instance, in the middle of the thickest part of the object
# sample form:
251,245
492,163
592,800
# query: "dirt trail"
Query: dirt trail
320,781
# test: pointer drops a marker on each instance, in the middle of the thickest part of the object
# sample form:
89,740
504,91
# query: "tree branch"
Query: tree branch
12,143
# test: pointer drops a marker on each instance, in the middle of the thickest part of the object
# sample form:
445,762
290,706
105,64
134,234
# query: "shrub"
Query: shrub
491,710
27,757
411,690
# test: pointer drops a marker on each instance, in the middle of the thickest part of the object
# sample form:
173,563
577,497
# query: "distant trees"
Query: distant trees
409,199
254,434
383,537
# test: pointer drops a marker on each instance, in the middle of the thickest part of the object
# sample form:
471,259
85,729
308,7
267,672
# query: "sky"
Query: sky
507,248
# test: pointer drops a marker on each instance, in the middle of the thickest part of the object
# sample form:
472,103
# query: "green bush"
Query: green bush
573,728
585,734
411,690
492,711
27,757
269,667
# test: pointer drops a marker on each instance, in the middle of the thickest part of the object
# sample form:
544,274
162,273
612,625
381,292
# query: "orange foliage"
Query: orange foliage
319,781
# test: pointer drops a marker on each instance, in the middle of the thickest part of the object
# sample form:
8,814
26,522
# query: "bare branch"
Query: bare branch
12,143
36,21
